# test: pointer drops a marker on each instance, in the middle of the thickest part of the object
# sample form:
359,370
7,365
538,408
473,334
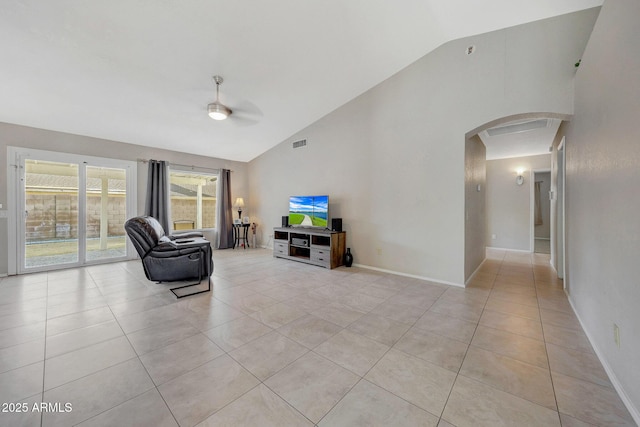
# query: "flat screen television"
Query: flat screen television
308,211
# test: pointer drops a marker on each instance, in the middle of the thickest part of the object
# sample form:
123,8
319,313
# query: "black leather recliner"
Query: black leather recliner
162,257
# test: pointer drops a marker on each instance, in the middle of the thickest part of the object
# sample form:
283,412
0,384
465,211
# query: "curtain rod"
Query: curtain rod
186,166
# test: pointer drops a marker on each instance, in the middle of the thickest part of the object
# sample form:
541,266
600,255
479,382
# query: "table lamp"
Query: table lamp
239,204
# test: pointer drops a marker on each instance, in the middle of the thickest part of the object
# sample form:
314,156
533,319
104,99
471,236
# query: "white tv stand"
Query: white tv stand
324,248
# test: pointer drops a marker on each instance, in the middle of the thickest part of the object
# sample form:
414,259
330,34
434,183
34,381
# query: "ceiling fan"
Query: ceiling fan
217,110
244,112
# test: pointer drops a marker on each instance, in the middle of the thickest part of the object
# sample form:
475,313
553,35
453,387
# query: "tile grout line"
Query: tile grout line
292,362
330,361
362,378
469,345
232,358
546,352
260,382
557,411
125,361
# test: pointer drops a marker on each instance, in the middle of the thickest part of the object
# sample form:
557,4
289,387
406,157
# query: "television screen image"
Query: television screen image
308,211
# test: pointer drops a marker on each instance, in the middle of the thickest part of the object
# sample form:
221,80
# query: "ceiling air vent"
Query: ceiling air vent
518,127
301,143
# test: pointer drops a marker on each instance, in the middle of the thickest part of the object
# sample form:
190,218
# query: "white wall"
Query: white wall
392,160
603,194
509,204
22,136
475,190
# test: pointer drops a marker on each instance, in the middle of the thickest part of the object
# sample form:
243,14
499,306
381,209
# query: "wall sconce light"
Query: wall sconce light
239,204
520,177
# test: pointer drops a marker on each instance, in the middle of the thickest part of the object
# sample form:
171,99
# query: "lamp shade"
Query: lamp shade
239,202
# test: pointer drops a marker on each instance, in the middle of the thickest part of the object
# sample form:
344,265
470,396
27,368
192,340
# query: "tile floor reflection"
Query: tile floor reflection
278,343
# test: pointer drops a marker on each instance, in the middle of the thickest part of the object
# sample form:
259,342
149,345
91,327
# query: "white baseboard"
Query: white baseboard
414,276
4,275
635,413
474,272
526,251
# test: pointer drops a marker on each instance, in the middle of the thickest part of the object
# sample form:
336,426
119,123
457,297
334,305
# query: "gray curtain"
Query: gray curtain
157,201
538,204
225,214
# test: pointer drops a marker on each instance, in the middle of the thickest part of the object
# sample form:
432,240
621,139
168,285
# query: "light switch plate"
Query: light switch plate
4,214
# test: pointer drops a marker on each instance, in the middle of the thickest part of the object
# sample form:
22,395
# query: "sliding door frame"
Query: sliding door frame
16,157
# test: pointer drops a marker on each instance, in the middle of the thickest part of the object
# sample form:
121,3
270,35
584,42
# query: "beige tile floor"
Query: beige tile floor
279,343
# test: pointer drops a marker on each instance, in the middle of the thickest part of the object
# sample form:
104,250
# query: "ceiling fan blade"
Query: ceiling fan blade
245,113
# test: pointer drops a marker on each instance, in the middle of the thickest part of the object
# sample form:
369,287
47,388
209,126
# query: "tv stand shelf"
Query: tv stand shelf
323,248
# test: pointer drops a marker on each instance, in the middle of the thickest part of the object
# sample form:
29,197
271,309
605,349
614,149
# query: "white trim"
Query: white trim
635,412
12,245
510,250
475,271
565,279
414,276
532,206
82,218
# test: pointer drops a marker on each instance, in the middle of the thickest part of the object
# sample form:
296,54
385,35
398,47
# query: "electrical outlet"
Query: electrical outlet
379,251
493,237
616,335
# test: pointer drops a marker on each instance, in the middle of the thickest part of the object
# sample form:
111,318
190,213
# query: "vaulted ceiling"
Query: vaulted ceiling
141,71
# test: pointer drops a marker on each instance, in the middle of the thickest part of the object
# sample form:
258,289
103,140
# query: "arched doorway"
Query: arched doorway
481,193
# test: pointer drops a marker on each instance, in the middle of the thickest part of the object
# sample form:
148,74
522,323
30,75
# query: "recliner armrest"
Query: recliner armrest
186,235
168,250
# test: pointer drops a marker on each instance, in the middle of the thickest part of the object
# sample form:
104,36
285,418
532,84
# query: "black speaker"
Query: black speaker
336,224
285,221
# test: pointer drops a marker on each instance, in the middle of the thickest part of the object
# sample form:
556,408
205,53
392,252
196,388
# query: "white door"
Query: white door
71,209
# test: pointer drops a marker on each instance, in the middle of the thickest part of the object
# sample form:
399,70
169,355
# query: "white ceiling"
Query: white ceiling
140,71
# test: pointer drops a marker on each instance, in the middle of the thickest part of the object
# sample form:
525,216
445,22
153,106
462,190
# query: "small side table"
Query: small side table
240,235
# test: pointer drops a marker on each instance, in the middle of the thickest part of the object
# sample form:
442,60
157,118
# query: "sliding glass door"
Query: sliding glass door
50,194
106,208
72,209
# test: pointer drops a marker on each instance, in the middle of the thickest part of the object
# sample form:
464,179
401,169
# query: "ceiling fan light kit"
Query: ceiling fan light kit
218,111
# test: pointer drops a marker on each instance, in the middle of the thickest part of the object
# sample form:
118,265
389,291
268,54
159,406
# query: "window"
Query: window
193,199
